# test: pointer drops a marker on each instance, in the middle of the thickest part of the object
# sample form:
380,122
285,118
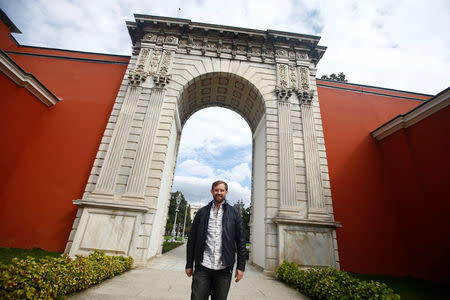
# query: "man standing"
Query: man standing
217,233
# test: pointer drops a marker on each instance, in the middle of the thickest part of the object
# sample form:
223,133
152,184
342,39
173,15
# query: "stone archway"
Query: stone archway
177,68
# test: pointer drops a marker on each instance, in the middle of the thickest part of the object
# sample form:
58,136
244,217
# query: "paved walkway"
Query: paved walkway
164,278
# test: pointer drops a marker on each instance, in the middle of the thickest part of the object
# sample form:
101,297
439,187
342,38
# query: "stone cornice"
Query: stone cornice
111,205
217,40
27,80
414,116
306,222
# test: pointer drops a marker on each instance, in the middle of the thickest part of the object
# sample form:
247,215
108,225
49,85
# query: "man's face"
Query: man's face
219,192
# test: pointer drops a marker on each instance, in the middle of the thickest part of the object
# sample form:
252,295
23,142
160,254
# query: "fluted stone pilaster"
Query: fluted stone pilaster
111,165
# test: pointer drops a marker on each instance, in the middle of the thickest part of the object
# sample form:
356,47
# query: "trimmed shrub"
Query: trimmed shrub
329,283
52,278
167,246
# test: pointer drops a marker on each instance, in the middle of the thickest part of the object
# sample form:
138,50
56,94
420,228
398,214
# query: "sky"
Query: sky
401,44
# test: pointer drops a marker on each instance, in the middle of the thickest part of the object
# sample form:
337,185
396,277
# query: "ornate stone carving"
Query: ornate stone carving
281,52
283,94
211,46
161,80
293,78
304,78
151,37
241,49
226,48
305,97
196,44
282,75
142,61
268,52
256,51
183,43
171,39
137,77
291,54
160,39
155,62
302,55
165,64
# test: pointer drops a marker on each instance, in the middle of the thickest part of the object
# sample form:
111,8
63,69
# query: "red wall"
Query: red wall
418,163
370,239
49,152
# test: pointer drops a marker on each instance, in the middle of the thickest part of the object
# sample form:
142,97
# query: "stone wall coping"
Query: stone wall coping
11,69
435,104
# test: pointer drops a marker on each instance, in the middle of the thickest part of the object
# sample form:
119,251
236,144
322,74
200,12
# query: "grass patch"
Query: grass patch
410,288
6,254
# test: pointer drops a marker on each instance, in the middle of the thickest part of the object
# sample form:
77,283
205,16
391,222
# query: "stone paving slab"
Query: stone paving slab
164,278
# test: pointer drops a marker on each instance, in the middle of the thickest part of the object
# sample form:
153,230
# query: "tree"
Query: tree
339,77
245,213
180,216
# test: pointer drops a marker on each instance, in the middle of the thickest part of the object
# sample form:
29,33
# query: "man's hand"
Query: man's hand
189,272
239,274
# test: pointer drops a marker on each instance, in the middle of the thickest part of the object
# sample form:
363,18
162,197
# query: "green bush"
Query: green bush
52,278
330,283
167,246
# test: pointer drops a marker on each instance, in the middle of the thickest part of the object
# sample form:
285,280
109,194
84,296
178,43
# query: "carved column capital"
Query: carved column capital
137,77
283,94
305,97
161,80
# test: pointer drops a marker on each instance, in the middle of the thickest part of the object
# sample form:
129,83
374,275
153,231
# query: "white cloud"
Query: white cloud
398,44
193,167
239,173
214,129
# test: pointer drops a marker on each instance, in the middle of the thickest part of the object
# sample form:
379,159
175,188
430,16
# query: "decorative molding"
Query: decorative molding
307,222
435,104
224,41
26,80
111,205
304,78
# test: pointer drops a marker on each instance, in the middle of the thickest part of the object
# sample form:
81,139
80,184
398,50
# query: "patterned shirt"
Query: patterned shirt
212,256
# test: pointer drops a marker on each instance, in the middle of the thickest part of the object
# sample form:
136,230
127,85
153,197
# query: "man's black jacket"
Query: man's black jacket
233,237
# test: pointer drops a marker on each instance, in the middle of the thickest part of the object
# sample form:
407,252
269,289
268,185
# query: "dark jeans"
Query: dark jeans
210,282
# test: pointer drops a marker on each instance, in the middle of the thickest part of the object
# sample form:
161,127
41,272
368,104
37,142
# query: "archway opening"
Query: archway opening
216,144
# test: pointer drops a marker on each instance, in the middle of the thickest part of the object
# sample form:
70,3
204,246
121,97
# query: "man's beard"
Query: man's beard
216,200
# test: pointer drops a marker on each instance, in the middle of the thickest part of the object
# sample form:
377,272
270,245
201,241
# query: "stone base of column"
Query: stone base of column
309,243
114,228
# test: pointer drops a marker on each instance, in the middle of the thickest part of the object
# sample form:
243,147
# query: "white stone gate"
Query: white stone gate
177,68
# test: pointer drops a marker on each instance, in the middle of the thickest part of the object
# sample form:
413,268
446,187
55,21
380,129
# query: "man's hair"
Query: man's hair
216,183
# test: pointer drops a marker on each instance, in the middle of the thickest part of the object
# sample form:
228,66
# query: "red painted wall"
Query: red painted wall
50,151
369,241
418,163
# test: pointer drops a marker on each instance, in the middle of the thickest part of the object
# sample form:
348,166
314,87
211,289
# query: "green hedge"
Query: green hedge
330,283
52,278
167,246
